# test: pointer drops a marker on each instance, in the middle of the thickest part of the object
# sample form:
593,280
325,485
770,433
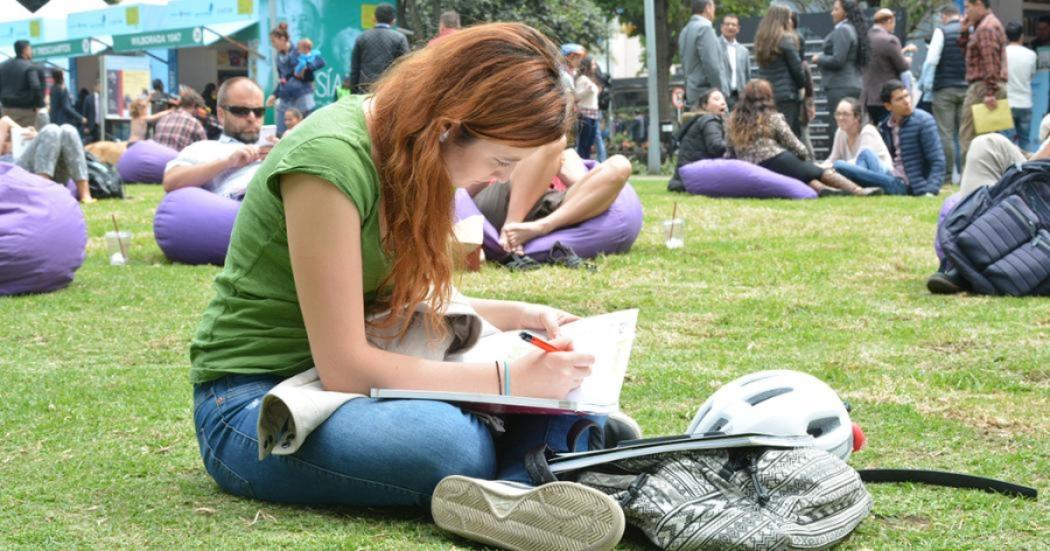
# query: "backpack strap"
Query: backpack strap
948,479
536,464
536,459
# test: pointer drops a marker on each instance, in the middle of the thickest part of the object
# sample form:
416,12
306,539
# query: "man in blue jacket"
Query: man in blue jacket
915,146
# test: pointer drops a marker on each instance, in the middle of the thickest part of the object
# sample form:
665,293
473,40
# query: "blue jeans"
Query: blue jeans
869,172
304,103
599,142
1022,128
585,131
368,453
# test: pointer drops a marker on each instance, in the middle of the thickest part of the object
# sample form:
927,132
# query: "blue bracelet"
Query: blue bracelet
506,378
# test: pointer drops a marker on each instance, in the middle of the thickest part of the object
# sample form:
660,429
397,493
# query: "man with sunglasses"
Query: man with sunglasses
225,166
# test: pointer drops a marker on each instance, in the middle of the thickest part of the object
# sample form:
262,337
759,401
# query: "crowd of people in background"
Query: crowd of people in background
882,142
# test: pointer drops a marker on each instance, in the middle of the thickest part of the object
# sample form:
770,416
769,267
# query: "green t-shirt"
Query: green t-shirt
254,325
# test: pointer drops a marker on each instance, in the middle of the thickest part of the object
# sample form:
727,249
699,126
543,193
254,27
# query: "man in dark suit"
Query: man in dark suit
21,86
92,111
886,64
738,59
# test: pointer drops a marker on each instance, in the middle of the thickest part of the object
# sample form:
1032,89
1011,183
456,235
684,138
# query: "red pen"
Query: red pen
537,342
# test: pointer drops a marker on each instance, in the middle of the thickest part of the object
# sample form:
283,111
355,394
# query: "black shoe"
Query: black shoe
942,284
563,255
521,263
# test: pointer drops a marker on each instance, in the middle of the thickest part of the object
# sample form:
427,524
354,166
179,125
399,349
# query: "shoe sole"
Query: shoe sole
556,516
941,287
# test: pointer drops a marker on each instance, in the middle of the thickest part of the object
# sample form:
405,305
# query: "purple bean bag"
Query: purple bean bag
613,231
193,226
42,233
735,178
144,162
947,207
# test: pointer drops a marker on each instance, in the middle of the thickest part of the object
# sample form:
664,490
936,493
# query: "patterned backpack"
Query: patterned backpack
721,492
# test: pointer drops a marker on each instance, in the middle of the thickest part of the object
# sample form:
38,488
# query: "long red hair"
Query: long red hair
498,81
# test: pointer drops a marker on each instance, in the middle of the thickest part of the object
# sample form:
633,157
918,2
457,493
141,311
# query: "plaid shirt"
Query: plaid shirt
986,53
179,129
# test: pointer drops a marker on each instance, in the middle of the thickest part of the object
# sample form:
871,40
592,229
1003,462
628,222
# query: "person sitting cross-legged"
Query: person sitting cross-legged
858,152
525,207
225,166
914,143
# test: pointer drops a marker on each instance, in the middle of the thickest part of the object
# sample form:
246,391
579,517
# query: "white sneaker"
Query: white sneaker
553,517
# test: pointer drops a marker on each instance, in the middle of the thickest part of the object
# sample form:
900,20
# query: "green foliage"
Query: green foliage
563,21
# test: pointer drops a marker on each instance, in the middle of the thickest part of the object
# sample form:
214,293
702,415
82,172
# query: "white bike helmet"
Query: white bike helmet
781,402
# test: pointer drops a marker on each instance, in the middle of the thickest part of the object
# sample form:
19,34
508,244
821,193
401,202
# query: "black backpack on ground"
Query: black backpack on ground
104,182
996,241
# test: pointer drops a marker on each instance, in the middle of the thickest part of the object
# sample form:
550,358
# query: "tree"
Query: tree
577,21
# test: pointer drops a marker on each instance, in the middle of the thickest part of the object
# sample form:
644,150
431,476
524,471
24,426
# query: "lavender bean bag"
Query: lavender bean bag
144,162
735,178
42,233
193,225
947,207
613,231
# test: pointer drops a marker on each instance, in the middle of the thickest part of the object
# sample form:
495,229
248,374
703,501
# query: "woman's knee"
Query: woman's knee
620,166
50,132
69,133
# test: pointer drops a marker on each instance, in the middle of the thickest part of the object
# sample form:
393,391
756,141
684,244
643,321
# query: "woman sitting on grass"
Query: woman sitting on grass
55,152
858,151
351,215
702,135
759,134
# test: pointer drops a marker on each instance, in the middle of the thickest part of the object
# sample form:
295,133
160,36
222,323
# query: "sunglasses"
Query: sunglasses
242,111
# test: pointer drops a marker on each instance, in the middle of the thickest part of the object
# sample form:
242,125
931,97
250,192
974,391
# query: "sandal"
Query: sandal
521,263
563,255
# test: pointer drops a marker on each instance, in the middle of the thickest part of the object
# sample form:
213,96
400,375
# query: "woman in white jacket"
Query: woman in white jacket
587,114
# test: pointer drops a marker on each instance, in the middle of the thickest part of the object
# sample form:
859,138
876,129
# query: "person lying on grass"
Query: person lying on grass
351,214
54,152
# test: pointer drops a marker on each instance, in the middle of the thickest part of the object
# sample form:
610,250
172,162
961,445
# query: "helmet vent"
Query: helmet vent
721,422
767,394
818,427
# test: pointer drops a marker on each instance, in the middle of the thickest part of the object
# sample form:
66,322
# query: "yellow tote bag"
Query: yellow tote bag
985,121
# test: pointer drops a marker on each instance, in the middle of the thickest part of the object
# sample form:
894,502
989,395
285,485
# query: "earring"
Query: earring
443,136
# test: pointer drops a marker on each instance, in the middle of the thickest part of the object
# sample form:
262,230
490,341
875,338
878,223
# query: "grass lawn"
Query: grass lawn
98,448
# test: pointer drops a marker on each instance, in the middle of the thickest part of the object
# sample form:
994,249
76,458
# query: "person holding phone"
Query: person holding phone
225,166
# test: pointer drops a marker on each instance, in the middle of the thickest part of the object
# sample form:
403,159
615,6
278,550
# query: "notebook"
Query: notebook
985,121
609,337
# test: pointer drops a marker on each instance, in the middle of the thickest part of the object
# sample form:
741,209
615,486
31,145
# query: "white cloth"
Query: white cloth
228,183
869,138
933,52
291,410
1020,70
586,93
731,55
